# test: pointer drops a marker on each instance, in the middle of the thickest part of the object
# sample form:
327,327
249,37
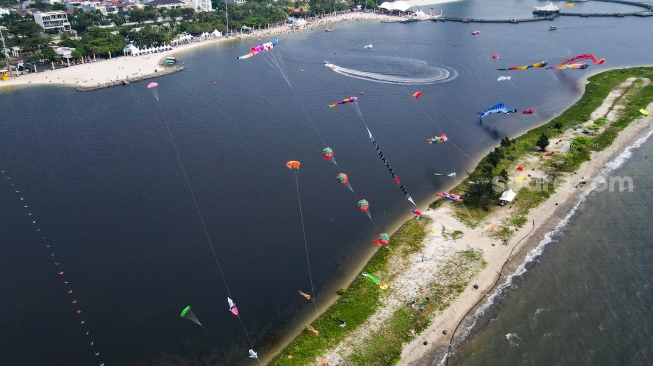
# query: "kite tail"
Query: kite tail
480,114
333,105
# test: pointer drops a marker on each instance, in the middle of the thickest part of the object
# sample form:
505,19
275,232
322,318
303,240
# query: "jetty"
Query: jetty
165,71
546,13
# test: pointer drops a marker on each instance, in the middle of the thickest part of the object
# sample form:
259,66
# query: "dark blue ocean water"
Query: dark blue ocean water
101,178
588,298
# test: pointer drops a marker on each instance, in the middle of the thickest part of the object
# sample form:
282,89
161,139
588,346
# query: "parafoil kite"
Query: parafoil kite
344,101
187,313
252,354
307,296
437,139
452,175
529,111
293,164
327,153
342,178
449,196
578,66
315,331
381,285
383,239
418,213
494,57
263,47
232,306
502,78
539,64
418,94
363,205
368,47
499,108
153,88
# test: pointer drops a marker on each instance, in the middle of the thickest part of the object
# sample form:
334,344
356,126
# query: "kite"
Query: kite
383,239
315,331
363,205
417,213
417,94
494,57
153,88
585,56
232,306
529,111
344,101
293,164
476,33
187,313
263,47
571,66
643,111
539,64
389,168
327,153
341,323
381,285
452,175
368,47
252,354
449,196
342,178
307,296
437,139
499,108
502,78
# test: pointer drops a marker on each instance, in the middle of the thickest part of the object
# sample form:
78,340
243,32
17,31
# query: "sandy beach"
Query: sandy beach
125,68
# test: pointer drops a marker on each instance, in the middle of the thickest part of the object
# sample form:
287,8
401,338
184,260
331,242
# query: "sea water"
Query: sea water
102,180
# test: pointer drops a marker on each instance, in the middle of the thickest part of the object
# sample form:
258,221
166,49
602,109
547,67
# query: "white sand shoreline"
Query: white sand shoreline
125,68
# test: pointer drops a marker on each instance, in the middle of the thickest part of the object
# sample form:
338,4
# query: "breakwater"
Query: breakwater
645,13
165,71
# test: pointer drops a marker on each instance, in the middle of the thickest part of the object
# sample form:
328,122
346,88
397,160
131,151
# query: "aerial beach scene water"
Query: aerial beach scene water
143,201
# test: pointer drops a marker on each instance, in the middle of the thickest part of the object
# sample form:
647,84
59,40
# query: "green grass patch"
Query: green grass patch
357,303
383,347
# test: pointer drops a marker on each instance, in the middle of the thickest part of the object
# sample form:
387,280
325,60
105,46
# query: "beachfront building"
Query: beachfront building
53,20
546,10
169,4
202,5
396,6
236,2
94,6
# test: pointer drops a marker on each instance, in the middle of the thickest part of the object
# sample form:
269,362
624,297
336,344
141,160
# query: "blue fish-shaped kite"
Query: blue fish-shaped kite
499,108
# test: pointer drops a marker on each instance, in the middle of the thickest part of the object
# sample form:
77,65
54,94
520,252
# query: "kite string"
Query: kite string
320,135
199,213
308,261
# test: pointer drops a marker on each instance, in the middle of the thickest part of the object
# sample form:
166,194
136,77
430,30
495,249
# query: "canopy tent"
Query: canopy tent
507,196
396,5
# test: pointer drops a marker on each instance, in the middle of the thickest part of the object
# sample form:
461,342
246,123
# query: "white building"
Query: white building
53,20
203,5
4,11
52,2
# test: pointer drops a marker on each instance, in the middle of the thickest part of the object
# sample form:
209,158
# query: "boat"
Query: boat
552,27
475,33
170,60
330,65
328,29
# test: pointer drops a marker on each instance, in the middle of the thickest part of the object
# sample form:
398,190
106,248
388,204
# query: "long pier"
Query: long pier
641,4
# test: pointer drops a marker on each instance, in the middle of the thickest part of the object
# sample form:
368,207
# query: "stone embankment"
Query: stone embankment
165,71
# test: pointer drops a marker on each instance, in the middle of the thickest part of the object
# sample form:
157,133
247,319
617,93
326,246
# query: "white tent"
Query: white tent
396,5
507,196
